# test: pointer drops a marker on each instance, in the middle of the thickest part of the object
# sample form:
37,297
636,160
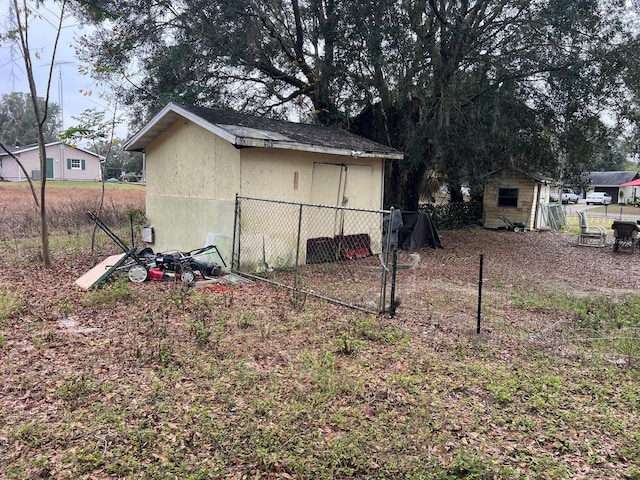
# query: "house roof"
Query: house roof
17,150
537,177
632,183
248,131
611,179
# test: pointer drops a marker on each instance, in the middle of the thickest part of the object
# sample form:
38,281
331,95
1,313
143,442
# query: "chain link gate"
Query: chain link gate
333,253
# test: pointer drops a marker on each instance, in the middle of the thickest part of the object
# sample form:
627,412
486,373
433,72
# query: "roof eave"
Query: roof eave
144,136
266,143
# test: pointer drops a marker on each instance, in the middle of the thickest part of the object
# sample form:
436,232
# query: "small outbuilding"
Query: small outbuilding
62,163
518,196
198,159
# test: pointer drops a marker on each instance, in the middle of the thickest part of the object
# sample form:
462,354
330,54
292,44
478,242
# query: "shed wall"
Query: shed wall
527,201
193,177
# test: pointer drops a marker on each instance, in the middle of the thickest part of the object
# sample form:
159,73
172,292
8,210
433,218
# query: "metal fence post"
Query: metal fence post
235,261
385,267
394,269
295,275
480,294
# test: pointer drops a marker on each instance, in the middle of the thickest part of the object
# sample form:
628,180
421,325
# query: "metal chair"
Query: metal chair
595,236
627,235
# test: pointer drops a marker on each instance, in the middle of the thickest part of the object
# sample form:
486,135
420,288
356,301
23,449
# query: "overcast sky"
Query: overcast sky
42,33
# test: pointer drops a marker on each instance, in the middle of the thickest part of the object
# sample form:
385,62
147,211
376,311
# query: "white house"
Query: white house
62,163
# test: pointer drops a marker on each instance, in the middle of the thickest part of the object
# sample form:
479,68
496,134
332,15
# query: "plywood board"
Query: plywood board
101,271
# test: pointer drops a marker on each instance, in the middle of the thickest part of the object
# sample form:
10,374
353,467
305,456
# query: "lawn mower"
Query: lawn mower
177,264
513,226
171,265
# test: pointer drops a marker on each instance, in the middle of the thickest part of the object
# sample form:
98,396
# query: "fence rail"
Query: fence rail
334,253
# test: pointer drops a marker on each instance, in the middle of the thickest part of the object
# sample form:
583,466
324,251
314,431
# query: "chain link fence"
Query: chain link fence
334,253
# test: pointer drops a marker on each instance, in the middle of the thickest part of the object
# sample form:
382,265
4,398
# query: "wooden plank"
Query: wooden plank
101,271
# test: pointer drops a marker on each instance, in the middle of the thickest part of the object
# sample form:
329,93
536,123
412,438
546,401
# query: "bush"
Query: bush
449,216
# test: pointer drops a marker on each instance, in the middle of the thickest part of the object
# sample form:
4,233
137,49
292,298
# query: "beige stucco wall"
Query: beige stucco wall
193,177
280,168
31,161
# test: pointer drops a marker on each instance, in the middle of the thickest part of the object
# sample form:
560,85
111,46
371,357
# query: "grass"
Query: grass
381,410
175,382
73,184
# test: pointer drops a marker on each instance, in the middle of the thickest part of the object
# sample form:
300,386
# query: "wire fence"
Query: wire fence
330,252
339,254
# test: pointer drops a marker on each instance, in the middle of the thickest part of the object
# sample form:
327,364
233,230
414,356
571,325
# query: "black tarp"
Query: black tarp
418,231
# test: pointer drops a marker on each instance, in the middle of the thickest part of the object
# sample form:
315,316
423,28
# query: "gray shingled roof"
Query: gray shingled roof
248,131
611,179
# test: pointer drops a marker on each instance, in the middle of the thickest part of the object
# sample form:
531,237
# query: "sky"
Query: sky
67,85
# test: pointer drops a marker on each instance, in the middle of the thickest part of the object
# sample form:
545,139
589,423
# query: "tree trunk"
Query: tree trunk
402,184
44,224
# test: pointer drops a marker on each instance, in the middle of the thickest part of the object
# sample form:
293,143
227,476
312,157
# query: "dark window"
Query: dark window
508,197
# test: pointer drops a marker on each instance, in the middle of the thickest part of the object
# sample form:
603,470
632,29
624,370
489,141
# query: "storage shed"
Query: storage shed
516,195
197,159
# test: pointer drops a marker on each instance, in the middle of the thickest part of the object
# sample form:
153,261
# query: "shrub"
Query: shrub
449,216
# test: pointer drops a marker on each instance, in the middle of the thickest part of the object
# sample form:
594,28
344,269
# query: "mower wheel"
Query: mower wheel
188,276
137,274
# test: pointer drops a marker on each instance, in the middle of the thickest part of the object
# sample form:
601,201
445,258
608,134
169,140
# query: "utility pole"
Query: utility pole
61,105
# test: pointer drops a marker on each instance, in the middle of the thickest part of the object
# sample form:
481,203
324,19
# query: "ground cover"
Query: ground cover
158,380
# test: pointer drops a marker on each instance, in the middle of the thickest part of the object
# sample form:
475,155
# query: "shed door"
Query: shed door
342,185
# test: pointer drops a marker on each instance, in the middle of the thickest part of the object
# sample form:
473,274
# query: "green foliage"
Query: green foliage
245,320
95,129
324,393
489,96
201,328
347,345
449,216
10,305
18,125
110,294
604,312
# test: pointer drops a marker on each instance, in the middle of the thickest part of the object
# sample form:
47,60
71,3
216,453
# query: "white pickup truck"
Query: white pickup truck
569,196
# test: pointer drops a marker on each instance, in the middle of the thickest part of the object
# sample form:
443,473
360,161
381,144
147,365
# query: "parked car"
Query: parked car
569,196
600,198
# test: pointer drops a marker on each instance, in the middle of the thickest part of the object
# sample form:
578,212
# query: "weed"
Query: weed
180,295
201,329
10,305
469,465
110,294
298,301
76,387
65,308
265,330
165,354
366,327
245,320
31,434
501,394
346,345
85,460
